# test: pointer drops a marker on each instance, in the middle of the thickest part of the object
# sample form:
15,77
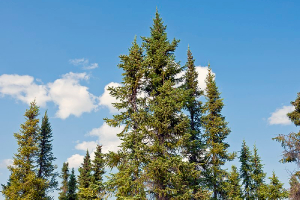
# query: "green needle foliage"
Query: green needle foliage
232,186
23,181
85,177
246,171
72,187
63,195
258,177
276,190
46,158
215,133
129,181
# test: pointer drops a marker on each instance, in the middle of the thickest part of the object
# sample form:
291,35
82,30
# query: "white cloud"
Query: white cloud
5,163
91,146
23,88
84,63
106,99
202,74
75,160
280,116
71,97
108,137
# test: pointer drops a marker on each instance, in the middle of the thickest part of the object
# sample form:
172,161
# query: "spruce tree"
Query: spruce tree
63,195
23,181
129,181
195,148
215,133
167,127
72,187
232,185
258,176
45,158
275,189
85,176
246,171
97,186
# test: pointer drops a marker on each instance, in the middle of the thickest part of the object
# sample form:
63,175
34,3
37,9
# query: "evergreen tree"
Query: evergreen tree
45,158
246,171
97,186
166,126
194,145
23,181
129,181
72,187
275,189
258,176
294,192
63,195
85,176
232,185
216,131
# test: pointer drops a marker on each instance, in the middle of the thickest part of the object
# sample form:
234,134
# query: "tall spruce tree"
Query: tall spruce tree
195,148
275,189
232,186
46,168
63,195
246,171
258,176
129,181
215,133
72,187
166,126
85,177
23,181
97,186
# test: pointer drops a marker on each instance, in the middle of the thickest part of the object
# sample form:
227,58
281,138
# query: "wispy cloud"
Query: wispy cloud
280,116
84,63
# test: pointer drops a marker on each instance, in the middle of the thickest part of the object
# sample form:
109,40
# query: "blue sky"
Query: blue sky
49,47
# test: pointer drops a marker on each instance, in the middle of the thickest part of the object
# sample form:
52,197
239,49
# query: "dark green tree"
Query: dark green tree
72,187
23,181
97,186
246,171
195,147
215,133
129,181
258,177
276,190
46,168
63,195
166,126
85,176
232,186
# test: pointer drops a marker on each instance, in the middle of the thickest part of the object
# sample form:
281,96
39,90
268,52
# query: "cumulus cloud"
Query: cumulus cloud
71,97
84,63
5,163
280,116
106,99
91,146
75,160
67,93
23,88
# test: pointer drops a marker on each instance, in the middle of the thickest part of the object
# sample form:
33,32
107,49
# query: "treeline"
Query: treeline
173,144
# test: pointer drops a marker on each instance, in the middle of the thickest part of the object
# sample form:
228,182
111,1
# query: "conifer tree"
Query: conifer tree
85,176
246,171
166,126
72,187
195,146
129,181
258,177
45,158
215,133
232,185
63,195
275,189
23,181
